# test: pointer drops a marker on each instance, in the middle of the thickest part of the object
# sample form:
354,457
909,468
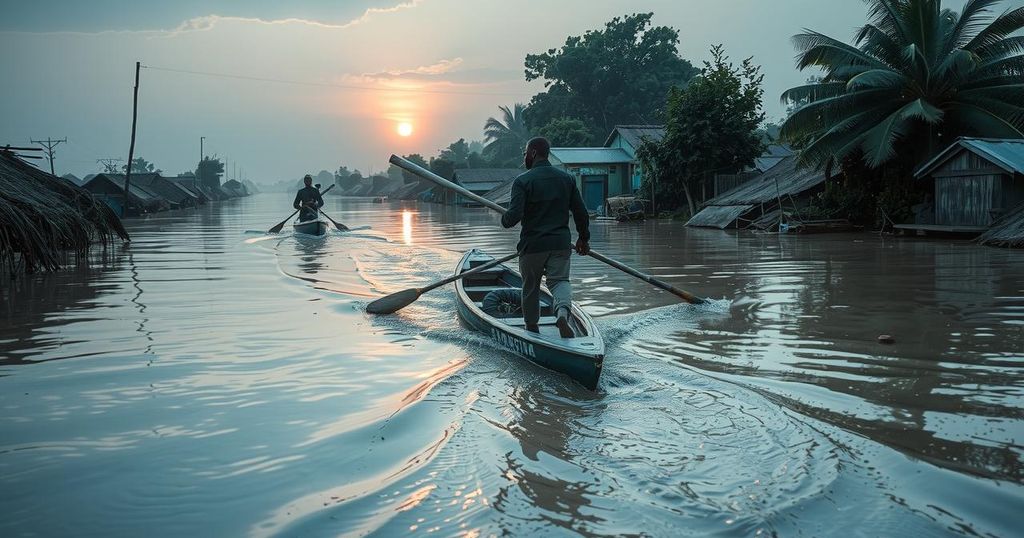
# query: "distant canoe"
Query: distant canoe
580,358
380,199
310,227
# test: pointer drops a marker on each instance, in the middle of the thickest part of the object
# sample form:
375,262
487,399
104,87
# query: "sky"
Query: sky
307,85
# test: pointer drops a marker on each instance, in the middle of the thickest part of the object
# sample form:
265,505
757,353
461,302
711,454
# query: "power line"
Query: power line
327,85
110,164
48,146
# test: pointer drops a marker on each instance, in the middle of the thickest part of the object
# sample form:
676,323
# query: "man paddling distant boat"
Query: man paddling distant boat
308,200
542,199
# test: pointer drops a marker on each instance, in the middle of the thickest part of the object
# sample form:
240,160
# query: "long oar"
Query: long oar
341,227
397,301
430,176
281,224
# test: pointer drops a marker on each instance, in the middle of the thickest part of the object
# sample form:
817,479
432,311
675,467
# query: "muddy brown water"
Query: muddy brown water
212,380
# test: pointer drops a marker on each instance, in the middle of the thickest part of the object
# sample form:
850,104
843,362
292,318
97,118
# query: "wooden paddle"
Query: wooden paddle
341,227
281,224
397,301
430,176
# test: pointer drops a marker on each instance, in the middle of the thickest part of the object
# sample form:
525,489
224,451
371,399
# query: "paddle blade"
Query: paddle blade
277,228
394,302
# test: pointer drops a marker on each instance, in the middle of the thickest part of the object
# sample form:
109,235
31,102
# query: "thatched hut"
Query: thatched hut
43,218
1008,231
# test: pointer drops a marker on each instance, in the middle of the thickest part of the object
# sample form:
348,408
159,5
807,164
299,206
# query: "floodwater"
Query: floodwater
210,380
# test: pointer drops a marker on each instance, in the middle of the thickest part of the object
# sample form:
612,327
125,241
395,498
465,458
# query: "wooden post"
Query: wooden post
131,147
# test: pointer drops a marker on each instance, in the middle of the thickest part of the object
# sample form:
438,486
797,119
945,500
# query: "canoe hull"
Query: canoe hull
580,358
311,227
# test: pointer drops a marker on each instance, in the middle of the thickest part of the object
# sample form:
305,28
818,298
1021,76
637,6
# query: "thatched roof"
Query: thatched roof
43,217
1008,231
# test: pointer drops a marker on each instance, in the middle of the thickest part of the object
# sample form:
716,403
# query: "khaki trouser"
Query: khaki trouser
554,265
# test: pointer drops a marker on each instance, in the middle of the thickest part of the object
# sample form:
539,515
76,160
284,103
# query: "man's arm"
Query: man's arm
579,213
515,206
319,200
298,200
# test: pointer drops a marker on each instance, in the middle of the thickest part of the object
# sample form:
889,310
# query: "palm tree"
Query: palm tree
506,138
916,77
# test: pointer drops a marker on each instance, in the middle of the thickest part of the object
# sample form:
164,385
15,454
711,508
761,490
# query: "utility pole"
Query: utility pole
48,146
110,164
131,147
199,169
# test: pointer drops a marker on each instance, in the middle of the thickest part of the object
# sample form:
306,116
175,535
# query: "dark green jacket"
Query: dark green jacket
542,199
308,199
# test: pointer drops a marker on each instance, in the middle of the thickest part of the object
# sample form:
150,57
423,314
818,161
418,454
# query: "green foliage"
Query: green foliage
506,137
442,167
867,196
457,152
617,75
140,166
209,171
414,158
712,127
916,72
566,132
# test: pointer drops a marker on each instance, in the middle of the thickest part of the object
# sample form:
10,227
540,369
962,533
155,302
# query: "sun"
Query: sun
404,128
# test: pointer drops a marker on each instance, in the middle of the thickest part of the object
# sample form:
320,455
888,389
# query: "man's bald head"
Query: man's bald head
537,148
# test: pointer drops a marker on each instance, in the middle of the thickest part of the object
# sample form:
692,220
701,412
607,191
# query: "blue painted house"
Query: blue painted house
611,170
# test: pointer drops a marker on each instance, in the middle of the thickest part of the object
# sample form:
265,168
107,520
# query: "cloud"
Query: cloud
209,22
449,71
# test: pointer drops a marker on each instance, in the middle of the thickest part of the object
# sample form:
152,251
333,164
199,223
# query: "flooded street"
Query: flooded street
212,380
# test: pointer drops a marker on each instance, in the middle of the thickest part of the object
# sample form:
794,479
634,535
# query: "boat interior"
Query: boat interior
497,279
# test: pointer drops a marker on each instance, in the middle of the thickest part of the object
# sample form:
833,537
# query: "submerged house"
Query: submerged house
110,189
976,181
479,181
235,188
45,219
760,201
773,155
177,196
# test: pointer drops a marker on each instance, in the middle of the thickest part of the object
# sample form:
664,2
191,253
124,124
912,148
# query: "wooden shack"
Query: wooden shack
977,180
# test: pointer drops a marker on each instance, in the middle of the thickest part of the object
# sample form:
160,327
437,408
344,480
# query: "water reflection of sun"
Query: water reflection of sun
407,227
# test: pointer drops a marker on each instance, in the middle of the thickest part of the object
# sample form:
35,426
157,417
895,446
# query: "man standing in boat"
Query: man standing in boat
308,200
542,199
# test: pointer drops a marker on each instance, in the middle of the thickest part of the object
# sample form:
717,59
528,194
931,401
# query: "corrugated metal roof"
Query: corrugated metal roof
496,176
1005,153
142,193
634,134
773,155
781,180
502,194
591,155
718,216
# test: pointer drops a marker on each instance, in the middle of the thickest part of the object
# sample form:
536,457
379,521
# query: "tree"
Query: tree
209,171
418,159
712,127
916,77
506,137
457,152
140,166
566,132
618,75
442,167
